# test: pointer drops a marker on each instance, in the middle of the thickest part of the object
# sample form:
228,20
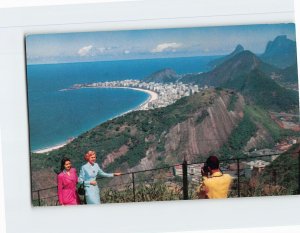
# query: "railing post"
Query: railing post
299,172
274,177
133,186
185,181
238,177
39,198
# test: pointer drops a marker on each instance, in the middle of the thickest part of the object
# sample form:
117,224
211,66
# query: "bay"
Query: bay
55,116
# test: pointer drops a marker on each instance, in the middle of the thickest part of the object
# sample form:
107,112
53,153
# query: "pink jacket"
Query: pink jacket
67,194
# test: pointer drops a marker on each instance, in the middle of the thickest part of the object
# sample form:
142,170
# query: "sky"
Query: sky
148,44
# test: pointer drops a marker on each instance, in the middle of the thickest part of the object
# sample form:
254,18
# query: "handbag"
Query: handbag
81,190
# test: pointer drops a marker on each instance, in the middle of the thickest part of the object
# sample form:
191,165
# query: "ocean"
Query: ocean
56,116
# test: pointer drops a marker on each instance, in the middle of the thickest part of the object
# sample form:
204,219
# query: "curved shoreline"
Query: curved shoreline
152,97
143,106
51,148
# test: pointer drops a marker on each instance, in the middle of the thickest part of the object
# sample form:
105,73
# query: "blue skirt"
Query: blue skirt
92,194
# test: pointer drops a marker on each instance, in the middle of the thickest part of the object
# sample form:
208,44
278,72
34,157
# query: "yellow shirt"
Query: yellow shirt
217,186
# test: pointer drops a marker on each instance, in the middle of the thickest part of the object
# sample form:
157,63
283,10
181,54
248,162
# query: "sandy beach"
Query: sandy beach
152,97
143,106
48,149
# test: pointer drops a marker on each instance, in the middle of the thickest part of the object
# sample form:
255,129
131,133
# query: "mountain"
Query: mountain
237,66
263,91
213,64
281,52
192,127
246,73
163,76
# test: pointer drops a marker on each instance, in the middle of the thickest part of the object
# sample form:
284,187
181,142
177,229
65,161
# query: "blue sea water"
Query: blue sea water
55,116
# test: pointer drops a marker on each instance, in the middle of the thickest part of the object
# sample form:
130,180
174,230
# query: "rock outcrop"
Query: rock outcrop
192,140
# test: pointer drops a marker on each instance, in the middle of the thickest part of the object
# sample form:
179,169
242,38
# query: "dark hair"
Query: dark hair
62,164
213,162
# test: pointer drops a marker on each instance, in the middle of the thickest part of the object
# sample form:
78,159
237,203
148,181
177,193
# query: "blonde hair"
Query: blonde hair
89,154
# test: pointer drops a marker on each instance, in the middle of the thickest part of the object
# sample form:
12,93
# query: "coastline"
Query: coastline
50,148
152,97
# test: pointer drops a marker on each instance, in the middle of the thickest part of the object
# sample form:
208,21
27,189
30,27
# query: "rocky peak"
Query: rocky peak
280,52
239,48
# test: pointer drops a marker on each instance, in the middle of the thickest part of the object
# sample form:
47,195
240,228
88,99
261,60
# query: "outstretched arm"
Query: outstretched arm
104,174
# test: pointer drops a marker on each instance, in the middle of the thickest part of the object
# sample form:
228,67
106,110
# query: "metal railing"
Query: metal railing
181,178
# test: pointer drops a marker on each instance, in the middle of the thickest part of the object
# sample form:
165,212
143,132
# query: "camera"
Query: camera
205,170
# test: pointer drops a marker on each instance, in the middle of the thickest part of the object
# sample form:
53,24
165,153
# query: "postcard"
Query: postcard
177,116
163,114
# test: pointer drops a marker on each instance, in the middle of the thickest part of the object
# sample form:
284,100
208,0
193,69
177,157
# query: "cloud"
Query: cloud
166,47
101,50
85,51
91,51
126,51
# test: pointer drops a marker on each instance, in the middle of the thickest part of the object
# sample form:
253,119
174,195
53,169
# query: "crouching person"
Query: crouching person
215,184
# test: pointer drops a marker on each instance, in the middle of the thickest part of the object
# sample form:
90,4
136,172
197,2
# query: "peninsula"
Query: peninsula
162,94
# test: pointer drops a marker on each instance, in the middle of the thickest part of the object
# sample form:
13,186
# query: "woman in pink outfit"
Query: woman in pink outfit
67,180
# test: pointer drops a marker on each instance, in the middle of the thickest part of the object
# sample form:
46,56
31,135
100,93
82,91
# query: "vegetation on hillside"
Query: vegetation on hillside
232,102
262,91
157,191
283,173
238,139
261,116
247,74
138,130
290,74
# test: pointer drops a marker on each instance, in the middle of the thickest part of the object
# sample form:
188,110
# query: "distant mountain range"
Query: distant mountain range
279,60
246,73
261,83
232,68
281,52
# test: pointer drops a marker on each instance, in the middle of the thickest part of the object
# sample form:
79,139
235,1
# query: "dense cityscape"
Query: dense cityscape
162,94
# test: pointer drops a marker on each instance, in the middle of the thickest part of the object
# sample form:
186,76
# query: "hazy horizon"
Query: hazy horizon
151,43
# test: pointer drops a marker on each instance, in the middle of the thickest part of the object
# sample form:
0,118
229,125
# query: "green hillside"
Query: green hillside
137,131
163,76
290,74
283,173
263,91
238,139
247,74
237,66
